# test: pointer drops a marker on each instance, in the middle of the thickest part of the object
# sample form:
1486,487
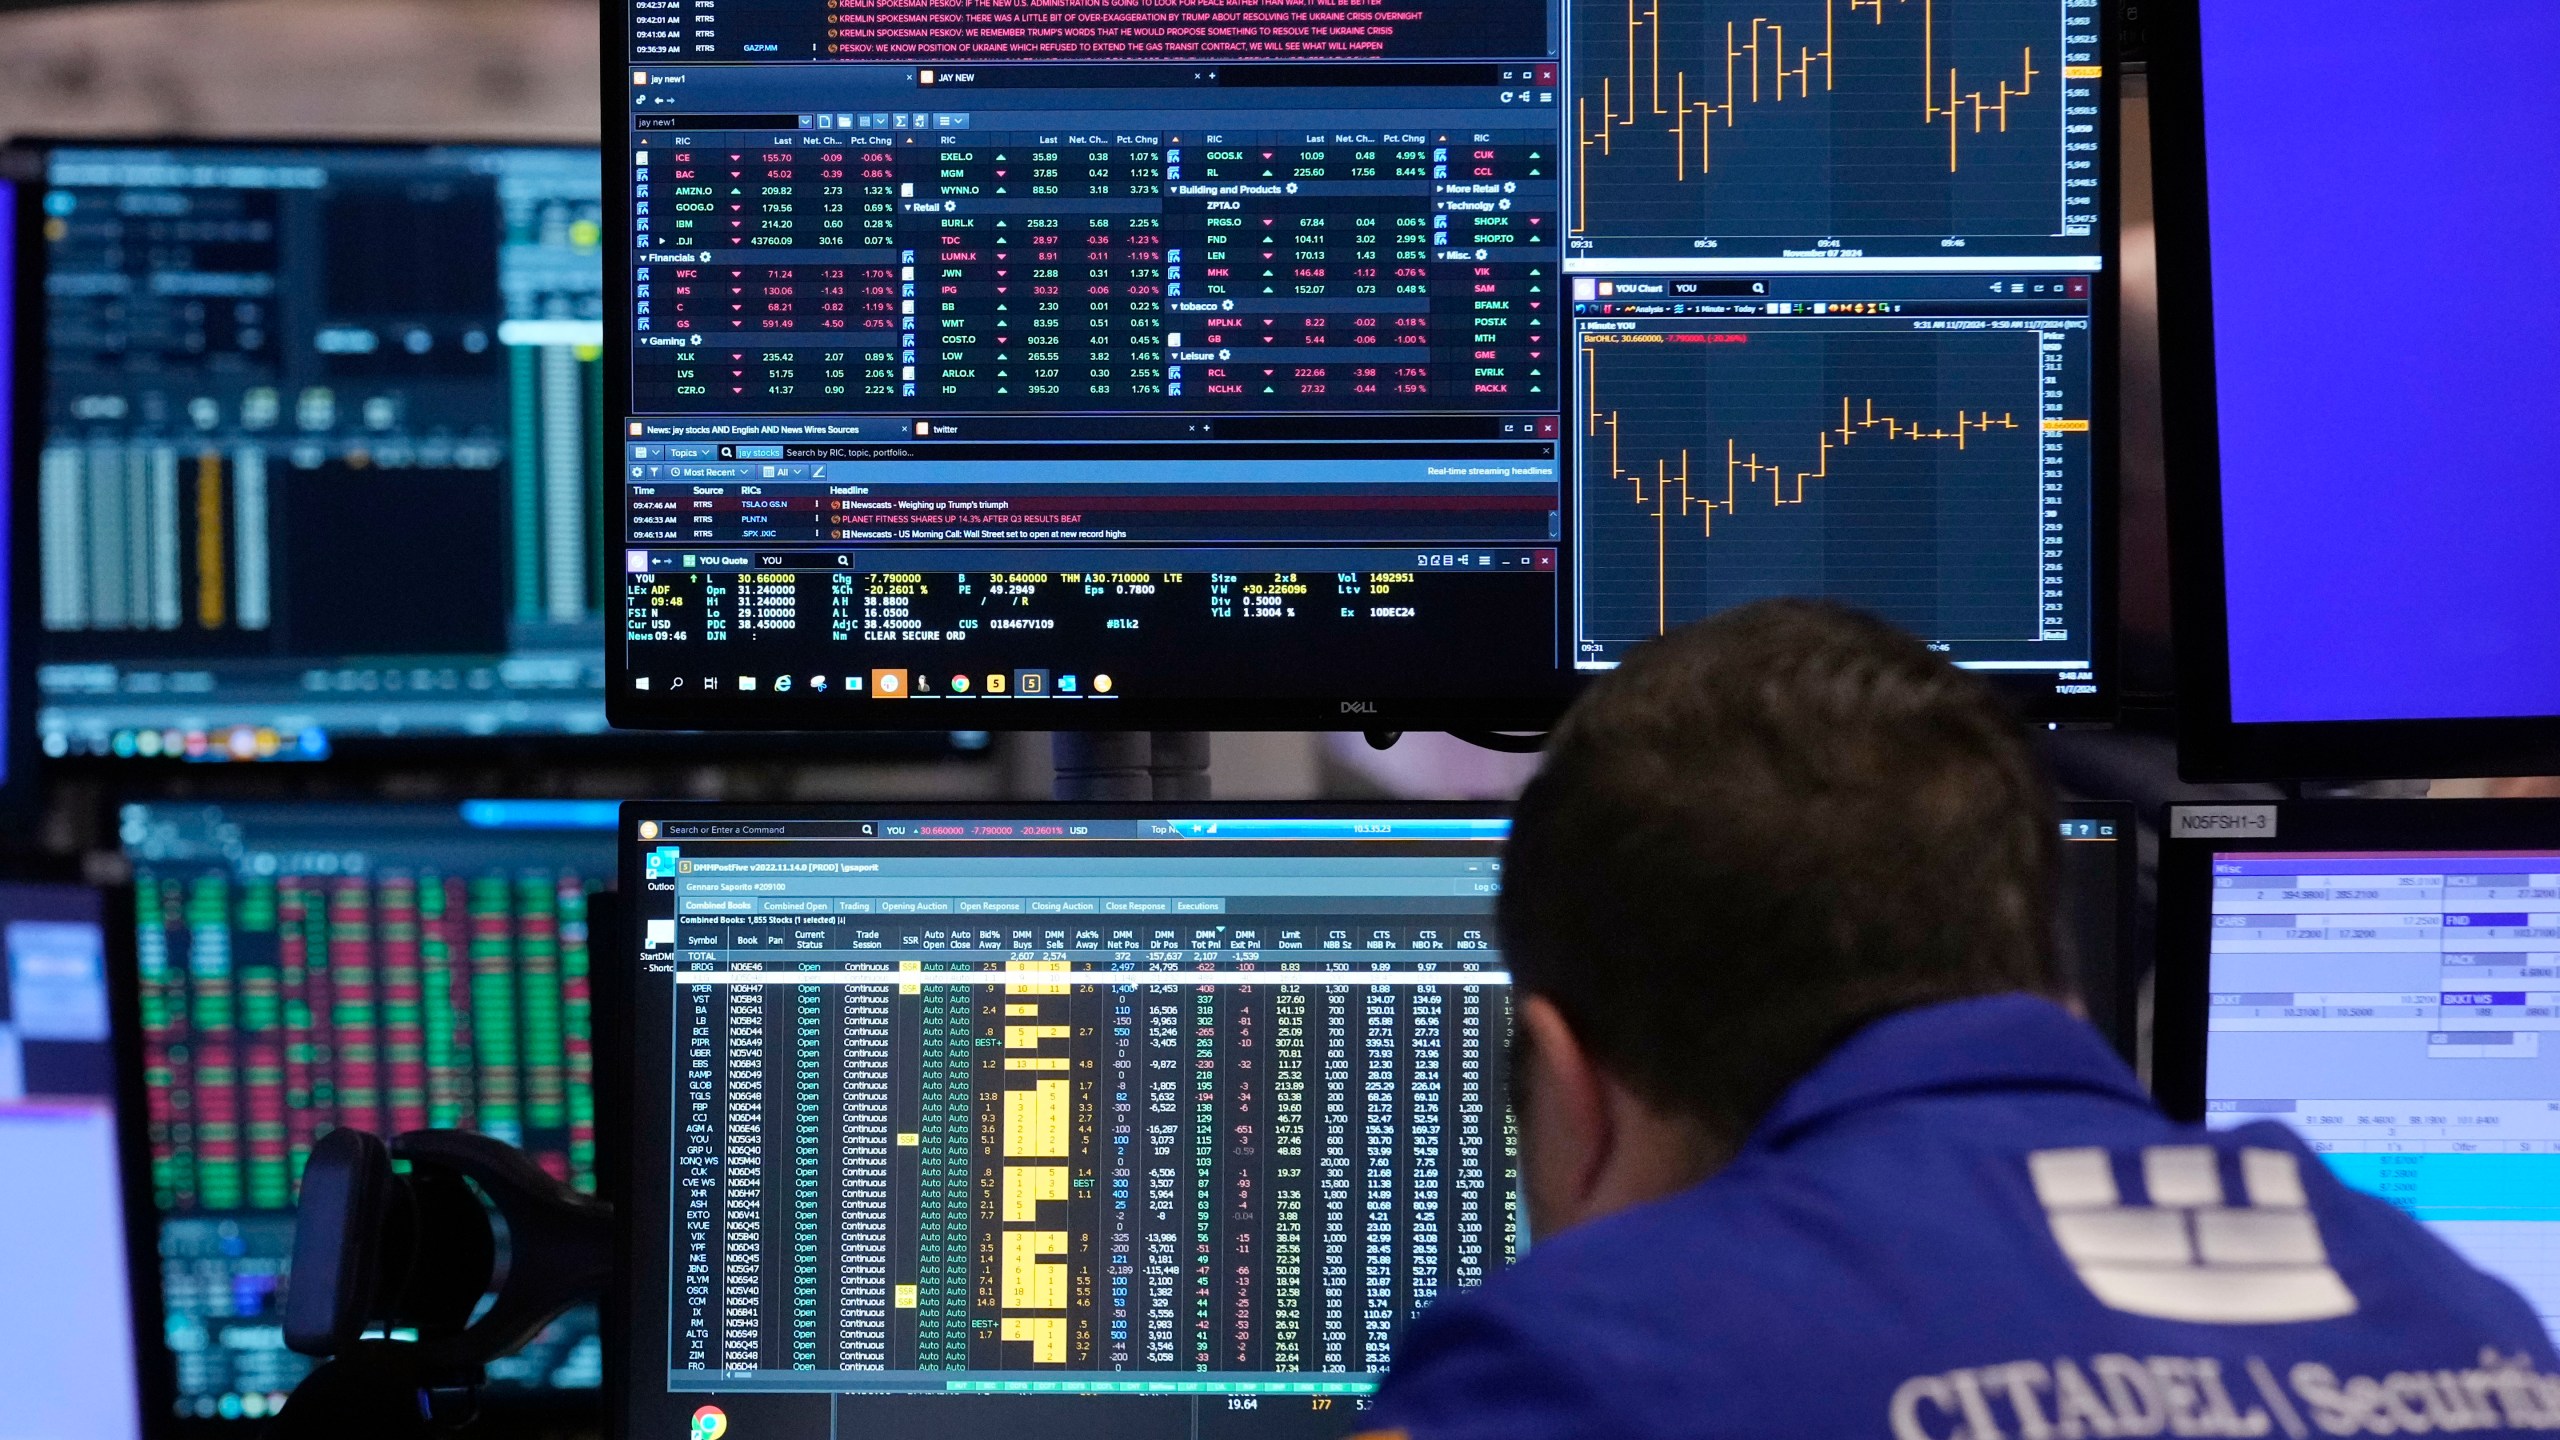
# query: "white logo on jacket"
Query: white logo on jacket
2187,1254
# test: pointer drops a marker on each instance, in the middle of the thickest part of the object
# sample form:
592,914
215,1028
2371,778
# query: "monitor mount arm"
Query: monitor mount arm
379,1251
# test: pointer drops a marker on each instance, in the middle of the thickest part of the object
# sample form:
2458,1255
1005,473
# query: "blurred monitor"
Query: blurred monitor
389,967
2380,975
67,1331
2364,527
319,447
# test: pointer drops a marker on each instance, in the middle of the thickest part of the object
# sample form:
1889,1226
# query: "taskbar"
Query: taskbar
938,1382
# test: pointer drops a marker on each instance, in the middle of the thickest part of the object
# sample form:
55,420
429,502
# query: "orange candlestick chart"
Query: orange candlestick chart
1699,123
1901,473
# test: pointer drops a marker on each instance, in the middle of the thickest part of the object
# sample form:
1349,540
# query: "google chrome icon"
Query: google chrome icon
710,1423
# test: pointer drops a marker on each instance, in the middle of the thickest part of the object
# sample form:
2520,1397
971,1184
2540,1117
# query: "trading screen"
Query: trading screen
1340,359
1834,129
305,967
265,361
1908,444
2391,1007
66,1359
1093,1125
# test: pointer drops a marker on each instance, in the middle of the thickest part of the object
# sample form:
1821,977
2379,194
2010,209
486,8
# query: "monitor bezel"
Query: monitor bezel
2180,1024
1538,704
2212,745
349,750
22,786
617,986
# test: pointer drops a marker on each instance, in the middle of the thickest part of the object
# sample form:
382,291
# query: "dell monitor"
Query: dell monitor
2379,975
1306,365
320,458
67,1342
388,967
2361,526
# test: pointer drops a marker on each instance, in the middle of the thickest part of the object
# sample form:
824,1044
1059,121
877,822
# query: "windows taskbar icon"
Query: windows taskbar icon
901,684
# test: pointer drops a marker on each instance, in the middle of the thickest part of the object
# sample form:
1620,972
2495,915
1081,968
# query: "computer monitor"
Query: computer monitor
320,451
390,967
1278,365
2379,975
2339,617
67,1333
1068,1121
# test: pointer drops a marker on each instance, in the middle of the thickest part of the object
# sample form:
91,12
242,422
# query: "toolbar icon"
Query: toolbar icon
889,684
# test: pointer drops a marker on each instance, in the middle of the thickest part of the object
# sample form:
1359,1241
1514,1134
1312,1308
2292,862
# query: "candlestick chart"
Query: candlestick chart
1761,126
1896,471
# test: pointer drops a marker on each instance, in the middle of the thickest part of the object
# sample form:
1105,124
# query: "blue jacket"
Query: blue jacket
1970,1223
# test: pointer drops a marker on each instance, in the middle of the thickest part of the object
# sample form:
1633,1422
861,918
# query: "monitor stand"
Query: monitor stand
1130,764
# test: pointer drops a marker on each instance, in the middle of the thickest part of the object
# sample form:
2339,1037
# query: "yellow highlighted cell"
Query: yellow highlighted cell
906,1297
1047,1334
1026,1279
1035,1122
1025,1186
1045,967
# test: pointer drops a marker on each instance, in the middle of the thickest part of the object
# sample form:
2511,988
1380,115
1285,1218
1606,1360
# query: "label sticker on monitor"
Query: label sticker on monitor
2222,822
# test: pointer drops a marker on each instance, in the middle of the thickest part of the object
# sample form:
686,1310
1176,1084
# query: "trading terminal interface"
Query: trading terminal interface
1103,1124
2391,1007
310,966
1914,445
1216,361
321,447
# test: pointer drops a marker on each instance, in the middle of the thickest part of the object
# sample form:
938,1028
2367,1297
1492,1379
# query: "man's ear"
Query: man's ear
1567,1130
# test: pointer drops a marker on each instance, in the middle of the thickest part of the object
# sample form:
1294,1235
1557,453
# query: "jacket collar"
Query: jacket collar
1995,1042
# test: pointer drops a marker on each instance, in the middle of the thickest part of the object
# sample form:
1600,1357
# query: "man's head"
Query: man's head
1755,836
